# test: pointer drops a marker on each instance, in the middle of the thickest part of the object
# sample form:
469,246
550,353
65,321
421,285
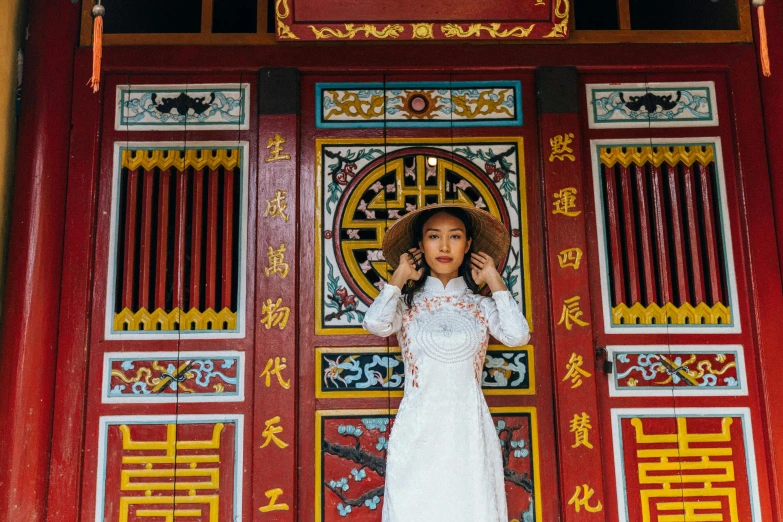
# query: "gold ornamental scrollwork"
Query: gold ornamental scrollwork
562,10
457,31
351,30
282,12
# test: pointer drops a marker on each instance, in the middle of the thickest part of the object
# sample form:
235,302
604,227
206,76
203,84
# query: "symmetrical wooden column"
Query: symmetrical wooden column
275,419
579,452
28,346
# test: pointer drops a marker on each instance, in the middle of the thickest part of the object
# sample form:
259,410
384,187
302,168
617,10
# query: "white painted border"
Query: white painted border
179,397
110,335
669,391
747,432
725,228
103,428
593,124
244,88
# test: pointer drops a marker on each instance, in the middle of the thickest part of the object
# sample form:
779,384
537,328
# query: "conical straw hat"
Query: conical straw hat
490,235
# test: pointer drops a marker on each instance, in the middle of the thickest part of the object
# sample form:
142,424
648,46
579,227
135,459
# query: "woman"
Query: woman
444,459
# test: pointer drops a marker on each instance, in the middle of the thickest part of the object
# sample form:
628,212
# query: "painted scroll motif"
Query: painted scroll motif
379,372
418,104
179,107
623,105
682,370
147,377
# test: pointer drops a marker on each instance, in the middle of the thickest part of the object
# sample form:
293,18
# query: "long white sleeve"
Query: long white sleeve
506,321
384,317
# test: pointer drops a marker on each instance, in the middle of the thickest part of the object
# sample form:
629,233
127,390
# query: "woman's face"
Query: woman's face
444,243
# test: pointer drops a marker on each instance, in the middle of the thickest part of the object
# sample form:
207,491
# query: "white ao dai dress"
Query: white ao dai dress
444,460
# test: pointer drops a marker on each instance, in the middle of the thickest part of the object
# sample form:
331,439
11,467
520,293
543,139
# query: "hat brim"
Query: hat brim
490,235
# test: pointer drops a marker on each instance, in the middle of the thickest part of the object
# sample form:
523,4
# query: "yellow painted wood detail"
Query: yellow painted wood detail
493,30
671,314
562,10
351,30
658,155
180,159
176,319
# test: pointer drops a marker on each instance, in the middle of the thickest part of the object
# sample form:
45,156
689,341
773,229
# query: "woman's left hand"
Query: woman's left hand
483,270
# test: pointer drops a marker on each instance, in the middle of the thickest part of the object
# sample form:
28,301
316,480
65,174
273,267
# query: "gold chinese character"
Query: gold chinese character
277,264
686,461
565,202
277,205
580,427
275,146
272,495
571,313
271,431
276,315
570,257
575,371
581,499
560,147
276,371
191,467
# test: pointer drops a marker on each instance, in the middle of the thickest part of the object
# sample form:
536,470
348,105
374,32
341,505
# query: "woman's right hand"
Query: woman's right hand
407,268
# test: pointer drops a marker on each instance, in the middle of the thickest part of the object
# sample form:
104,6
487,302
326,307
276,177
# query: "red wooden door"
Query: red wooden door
168,418
669,291
469,138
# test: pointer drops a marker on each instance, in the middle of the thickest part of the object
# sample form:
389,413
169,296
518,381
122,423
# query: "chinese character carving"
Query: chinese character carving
277,264
560,148
276,371
580,427
581,499
575,371
276,315
565,202
273,495
570,257
277,206
571,313
271,431
680,472
275,146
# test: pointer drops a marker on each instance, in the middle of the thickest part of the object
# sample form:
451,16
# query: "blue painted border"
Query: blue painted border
486,122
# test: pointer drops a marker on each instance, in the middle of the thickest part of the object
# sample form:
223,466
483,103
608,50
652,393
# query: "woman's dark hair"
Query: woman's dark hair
411,287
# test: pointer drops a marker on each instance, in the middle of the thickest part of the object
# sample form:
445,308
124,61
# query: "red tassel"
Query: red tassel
97,47
763,46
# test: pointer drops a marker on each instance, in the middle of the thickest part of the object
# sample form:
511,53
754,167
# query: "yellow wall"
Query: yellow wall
12,14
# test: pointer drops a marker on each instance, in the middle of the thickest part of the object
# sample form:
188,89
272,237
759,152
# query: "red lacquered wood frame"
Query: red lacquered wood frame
744,154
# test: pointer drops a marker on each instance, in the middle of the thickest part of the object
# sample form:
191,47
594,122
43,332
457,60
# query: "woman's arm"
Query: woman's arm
384,317
505,320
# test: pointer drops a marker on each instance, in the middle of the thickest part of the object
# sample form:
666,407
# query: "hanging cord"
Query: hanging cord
763,46
98,11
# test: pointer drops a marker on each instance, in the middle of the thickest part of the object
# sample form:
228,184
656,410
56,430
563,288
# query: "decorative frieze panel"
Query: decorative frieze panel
418,104
159,377
624,105
411,20
363,185
178,238
682,370
351,447
665,244
179,107
164,466
697,465
379,372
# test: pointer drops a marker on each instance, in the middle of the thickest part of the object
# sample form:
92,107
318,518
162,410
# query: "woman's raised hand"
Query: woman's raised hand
410,267
484,270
